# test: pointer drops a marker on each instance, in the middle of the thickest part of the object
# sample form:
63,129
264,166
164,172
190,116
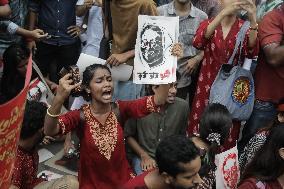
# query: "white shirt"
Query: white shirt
94,31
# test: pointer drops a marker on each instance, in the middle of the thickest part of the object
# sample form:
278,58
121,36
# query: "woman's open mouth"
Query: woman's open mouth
107,95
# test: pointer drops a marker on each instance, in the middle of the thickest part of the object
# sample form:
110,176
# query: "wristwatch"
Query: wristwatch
84,26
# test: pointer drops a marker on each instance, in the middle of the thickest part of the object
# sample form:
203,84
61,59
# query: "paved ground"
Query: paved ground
54,148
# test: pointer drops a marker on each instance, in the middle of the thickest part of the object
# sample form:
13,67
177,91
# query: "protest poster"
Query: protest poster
154,62
227,172
11,118
119,73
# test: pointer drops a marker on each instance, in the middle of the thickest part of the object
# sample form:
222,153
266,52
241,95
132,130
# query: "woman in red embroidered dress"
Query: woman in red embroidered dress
103,163
217,37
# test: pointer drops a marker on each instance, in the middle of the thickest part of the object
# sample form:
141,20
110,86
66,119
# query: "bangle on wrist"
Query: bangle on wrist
254,28
52,115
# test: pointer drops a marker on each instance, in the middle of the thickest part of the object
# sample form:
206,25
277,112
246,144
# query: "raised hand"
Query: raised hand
234,8
65,87
117,59
177,50
251,10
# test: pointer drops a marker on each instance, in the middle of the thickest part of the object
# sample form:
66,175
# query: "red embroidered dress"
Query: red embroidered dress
25,169
217,51
103,163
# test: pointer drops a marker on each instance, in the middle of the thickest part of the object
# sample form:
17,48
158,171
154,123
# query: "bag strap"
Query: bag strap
239,42
81,124
107,18
116,111
49,92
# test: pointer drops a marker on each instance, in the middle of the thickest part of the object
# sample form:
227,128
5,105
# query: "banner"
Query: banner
154,62
11,118
227,173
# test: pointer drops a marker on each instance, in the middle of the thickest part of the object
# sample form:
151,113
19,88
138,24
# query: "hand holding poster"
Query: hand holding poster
154,62
119,73
11,118
227,173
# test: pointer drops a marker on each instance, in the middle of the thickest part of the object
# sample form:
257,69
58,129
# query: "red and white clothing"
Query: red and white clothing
269,79
103,163
217,51
25,169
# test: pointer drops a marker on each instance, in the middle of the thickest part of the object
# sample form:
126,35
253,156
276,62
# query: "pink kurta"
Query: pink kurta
217,51
103,163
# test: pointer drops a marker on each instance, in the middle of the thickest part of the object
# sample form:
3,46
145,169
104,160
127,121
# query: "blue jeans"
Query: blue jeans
263,113
136,164
126,90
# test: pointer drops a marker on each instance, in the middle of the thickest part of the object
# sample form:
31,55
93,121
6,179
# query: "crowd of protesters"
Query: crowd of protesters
131,136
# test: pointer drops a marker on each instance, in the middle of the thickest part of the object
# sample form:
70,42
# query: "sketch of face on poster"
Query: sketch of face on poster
155,45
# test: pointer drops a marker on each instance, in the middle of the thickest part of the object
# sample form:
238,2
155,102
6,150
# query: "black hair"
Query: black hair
215,119
12,82
281,101
88,75
173,150
33,119
149,90
267,164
